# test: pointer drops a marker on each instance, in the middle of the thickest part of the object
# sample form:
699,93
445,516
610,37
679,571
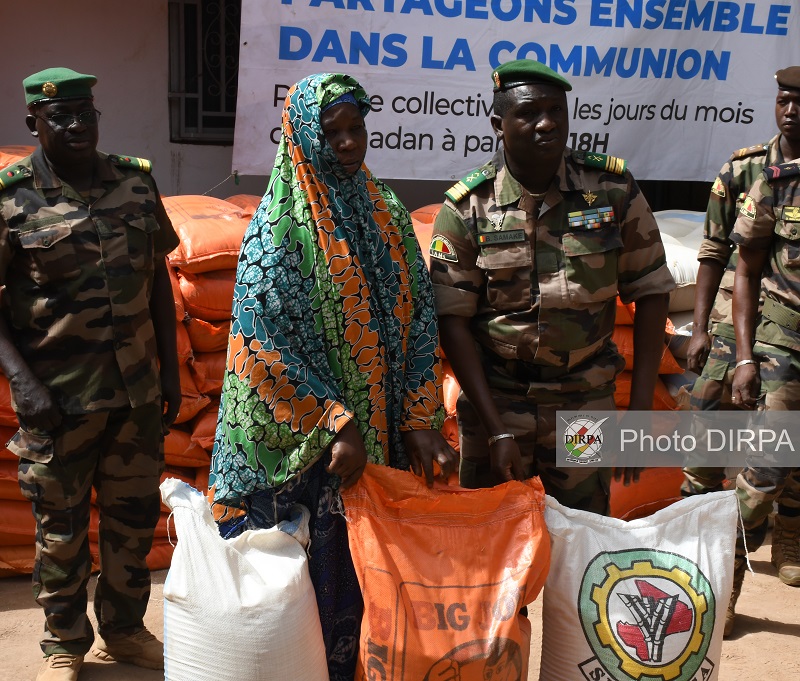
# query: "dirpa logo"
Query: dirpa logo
646,614
583,439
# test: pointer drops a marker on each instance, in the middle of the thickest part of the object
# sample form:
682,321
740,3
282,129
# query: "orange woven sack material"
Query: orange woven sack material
625,312
207,336
8,417
210,230
13,153
208,296
247,202
444,573
623,339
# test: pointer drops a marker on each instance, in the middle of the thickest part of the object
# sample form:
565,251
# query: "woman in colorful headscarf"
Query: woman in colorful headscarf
333,351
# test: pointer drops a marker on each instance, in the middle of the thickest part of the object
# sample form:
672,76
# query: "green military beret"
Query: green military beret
57,83
789,78
526,72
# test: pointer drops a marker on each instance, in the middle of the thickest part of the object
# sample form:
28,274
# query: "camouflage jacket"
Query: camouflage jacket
727,195
539,276
78,274
769,219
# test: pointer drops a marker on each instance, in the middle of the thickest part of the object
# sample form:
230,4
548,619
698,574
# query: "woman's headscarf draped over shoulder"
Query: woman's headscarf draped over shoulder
333,316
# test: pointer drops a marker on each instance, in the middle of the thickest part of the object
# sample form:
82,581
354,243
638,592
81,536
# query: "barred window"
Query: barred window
203,69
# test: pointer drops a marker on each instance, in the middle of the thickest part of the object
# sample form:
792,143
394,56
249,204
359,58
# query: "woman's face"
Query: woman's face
343,126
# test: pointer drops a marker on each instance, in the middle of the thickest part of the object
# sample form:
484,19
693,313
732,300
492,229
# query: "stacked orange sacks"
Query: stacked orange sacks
203,271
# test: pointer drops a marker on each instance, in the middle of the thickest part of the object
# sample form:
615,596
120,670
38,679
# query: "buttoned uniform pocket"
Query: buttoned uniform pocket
508,269
789,233
139,234
591,260
31,446
46,243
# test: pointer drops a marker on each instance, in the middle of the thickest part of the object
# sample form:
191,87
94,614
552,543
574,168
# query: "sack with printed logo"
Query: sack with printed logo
645,599
444,573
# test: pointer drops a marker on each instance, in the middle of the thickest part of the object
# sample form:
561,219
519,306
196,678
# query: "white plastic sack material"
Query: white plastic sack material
644,599
242,608
682,234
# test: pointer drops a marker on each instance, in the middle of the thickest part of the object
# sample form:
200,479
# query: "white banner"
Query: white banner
673,86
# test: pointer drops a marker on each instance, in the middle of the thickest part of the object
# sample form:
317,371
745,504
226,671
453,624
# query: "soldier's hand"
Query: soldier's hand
170,397
746,387
627,475
506,460
36,408
426,446
697,352
349,456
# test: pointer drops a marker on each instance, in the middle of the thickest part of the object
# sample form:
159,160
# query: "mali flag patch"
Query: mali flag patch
442,249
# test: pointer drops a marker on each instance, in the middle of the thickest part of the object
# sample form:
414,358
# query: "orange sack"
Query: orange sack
207,336
208,296
210,230
444,573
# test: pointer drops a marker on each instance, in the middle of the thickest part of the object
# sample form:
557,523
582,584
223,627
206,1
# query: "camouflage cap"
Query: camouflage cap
788,78
57,83
526,72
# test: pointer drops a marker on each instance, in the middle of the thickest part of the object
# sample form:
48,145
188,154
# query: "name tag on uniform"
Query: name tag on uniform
592,218
791,214
509,237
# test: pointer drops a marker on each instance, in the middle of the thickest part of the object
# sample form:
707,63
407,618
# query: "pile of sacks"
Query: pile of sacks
202,270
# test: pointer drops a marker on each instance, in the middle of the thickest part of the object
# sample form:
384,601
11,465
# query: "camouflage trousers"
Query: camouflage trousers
534,428
758,487
711,392
119,453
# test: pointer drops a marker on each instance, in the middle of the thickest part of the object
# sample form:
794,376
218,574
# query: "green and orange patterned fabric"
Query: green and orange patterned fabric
333,316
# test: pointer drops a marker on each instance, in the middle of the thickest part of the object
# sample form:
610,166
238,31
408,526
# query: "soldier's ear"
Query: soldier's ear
30,121
497,125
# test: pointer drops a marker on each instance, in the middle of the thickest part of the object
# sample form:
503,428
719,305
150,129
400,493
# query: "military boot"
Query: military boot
60,667
739,568
142,649
786,549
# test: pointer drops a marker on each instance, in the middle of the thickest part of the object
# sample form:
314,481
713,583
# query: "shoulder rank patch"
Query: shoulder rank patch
748,208
442,249
612,164
749,151
781,171
464,186
13,174
592,218
131,162
790,213
718,188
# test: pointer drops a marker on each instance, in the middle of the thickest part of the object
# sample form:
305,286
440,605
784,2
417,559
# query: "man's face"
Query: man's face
64,142
536,126
787,114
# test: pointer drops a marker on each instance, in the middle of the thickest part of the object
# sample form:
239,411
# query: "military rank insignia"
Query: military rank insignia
465,185
748,208
591,218
442,249
718,188
13,174
790,213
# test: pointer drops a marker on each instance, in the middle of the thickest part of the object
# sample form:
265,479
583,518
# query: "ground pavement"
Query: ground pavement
764,647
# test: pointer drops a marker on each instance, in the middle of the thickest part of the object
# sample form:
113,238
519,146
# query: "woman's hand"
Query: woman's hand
426,446
349,456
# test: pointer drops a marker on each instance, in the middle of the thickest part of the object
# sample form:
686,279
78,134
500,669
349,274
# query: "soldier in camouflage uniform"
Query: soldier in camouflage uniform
767,371
87,341
527,256
714,353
